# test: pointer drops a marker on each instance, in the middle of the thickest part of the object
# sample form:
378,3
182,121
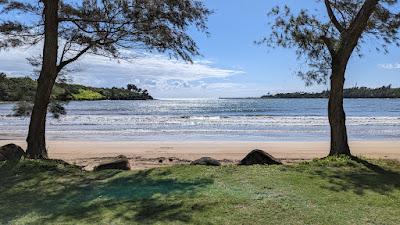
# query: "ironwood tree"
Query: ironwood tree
99,27
326,41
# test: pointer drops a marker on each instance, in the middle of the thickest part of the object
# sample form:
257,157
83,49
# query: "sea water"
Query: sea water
211,120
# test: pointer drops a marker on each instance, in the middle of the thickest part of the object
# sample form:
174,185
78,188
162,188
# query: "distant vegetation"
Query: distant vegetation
355,92
23,89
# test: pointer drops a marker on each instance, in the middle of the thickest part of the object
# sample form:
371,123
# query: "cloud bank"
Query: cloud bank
159,74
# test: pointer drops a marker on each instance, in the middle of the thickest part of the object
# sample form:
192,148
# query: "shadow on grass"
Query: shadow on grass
61,194
357,175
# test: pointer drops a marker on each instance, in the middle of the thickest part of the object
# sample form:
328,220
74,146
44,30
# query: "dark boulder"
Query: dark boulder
118,163
259,157
206,161
11,152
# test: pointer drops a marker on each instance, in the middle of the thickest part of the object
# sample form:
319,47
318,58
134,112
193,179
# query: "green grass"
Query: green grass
330,191
87,95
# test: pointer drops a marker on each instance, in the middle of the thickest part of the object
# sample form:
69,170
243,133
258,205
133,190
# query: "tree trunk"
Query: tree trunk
336,114
36,137
340,57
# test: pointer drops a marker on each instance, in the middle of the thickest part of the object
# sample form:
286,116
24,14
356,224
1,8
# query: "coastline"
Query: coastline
147,154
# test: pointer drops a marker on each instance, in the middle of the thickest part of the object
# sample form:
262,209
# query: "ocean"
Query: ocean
211,120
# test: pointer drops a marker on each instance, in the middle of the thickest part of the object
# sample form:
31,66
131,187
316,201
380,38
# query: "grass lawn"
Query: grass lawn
330,191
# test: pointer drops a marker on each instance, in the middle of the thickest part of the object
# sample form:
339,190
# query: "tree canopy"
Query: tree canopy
107,27
317,37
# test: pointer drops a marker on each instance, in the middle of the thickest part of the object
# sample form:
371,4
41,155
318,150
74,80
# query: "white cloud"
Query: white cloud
390,66
152,67
14,61
154,72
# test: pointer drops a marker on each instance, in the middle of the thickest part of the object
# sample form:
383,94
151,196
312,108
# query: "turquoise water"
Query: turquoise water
206,119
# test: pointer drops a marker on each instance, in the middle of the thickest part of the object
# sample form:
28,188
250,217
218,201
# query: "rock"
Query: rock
206,161
11,152
259,157
119,163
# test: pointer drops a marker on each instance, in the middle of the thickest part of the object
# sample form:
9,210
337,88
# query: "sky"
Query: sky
231,64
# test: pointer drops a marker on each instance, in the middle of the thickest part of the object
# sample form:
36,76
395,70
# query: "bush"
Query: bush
57,109
23,108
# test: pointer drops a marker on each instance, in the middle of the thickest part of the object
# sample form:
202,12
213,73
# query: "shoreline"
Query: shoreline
147,154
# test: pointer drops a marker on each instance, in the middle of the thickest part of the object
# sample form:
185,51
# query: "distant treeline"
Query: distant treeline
355,92
23,89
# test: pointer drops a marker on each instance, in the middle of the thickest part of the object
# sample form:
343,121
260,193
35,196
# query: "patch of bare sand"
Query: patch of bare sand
150,154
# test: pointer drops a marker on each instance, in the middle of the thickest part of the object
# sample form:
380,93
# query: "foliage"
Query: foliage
57,109
23,89
355,92
16,89
329,191
23,108
107,27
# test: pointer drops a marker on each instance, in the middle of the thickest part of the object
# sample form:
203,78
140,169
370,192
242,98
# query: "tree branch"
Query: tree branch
66,62
358,25
329,44
332,16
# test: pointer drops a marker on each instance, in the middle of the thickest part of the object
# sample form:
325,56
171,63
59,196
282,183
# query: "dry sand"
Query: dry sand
147,154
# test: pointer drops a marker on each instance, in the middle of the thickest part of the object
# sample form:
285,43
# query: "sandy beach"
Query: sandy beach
149,154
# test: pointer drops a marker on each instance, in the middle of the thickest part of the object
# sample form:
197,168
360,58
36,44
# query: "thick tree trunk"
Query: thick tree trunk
337,117
36,137
340,57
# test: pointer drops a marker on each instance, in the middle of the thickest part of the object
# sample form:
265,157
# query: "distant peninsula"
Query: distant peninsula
24,88
355,92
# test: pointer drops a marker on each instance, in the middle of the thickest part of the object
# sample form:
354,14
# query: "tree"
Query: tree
327,43
94,27
131,87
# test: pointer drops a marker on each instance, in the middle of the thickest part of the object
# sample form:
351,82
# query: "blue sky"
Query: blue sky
231,65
